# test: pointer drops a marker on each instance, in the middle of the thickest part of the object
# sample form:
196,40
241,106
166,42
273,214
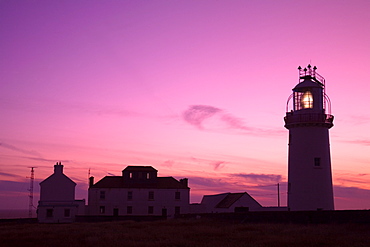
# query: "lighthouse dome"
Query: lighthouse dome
307,83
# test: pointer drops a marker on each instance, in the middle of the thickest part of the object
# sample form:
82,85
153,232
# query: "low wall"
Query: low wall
299,217
99,218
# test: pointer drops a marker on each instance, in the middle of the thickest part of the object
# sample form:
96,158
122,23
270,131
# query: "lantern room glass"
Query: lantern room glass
303,100
307,100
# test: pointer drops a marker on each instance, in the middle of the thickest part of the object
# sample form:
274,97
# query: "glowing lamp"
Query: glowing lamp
307,100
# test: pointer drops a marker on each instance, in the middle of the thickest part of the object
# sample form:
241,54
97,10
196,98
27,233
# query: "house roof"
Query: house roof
140,168
57,176
231,198
159,183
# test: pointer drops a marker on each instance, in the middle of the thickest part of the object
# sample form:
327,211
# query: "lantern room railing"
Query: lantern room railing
292,119
311,72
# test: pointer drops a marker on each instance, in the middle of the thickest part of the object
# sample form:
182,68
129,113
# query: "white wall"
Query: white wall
309,186
57,187
118,198
58,214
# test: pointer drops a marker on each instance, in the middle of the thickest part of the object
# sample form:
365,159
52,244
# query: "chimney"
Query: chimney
91,181
58,168
184,181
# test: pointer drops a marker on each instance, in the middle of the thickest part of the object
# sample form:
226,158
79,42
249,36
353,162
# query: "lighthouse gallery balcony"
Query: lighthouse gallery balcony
293,119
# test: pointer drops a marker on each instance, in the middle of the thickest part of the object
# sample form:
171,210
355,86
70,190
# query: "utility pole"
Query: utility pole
278,191
30,204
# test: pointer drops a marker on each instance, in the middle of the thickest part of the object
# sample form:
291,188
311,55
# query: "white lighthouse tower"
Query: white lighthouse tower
309,167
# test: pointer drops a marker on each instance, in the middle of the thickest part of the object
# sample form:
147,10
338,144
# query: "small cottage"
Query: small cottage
226,203
57,199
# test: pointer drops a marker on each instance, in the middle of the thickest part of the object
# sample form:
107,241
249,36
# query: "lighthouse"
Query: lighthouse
308,120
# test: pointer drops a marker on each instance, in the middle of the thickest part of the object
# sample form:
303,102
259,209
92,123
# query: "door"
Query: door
115,211
164,212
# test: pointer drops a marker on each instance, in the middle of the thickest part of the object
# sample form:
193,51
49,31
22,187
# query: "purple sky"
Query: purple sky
196,89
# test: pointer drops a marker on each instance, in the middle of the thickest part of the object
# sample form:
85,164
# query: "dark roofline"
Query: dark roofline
227,197
252,198
118,182
139,168
52,175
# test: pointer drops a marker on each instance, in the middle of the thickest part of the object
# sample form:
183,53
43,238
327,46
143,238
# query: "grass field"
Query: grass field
182,233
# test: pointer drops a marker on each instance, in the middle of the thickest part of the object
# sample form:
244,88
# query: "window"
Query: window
130,175
147,175
102,195
177,210
129,195
150,210
49,213
317,162
67,212
177,195
129,209
151,195
102,209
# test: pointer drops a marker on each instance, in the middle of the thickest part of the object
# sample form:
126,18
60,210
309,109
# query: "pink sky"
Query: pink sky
196,89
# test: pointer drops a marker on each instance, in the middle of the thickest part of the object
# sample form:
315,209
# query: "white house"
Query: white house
230,203
138,192
57,199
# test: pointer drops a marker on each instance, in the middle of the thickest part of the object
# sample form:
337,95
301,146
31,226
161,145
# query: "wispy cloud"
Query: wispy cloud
197,114
350,192
21,150
38,159
218,165
9,175
211,118
364,142
347,178
215,118
234,122
215,164
215,183
351,197
237,182
47,160
168,163
17,186
259,178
